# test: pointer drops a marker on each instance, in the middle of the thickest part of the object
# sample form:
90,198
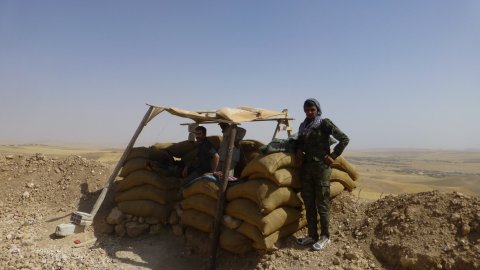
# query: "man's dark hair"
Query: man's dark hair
202,129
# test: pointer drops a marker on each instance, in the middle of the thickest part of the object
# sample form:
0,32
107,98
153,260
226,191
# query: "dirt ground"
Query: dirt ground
426,230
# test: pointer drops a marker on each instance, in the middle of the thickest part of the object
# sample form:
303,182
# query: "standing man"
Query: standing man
206,160
314,158
239,135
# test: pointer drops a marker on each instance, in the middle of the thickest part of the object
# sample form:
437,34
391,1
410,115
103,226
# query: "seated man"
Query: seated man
236,147
206,160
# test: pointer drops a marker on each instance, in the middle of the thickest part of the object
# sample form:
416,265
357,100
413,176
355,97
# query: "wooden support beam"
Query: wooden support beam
212,258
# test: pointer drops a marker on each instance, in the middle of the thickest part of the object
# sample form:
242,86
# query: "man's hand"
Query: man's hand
328,160
219,174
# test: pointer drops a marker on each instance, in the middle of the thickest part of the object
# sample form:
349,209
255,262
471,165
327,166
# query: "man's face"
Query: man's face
310,111
199,136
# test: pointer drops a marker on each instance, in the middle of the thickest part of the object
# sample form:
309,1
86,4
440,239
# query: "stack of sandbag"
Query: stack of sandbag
139,159
280,168
263,229
150,188
276,167
199,206
265,208
198,209
184,151
199,201
144,191
343,177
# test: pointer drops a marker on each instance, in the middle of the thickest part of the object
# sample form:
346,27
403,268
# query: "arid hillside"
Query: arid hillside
423,230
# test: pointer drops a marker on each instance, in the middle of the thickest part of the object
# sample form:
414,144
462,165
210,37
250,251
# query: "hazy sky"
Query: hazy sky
402,74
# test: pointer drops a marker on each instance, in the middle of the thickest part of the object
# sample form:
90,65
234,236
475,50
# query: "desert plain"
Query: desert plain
383,171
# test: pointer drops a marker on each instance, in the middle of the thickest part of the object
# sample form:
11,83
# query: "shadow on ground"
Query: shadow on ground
161,251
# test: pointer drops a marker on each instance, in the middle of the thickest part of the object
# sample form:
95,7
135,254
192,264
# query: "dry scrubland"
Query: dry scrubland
401,171
42,185
110,156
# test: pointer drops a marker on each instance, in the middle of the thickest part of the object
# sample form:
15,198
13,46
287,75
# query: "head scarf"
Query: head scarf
308,124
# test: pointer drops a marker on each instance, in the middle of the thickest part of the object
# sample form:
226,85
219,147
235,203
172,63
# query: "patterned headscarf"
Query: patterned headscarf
308,124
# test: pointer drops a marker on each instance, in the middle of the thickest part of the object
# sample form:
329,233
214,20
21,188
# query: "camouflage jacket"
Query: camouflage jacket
317,143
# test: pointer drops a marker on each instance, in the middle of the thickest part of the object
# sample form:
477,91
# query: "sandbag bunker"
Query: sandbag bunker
263,206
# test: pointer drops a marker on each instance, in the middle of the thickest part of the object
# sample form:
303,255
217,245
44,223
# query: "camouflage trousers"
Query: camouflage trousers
316,196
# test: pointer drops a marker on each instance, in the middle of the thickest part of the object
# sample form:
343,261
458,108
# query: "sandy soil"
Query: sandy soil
427,230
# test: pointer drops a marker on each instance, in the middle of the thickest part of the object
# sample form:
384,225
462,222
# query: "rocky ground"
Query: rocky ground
429,230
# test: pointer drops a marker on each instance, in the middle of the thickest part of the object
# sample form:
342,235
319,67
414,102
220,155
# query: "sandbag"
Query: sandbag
343,178
259,241
231,222
161,146
288,177
149,153
294,226
335,189
249,156
247,210
197,220
234,242
132,165
265,194
250,145
245,158
204,186
147,192
143,177
267,242
200,202
268,164
342,164
285,177
138,152
179,149
145,208
291,177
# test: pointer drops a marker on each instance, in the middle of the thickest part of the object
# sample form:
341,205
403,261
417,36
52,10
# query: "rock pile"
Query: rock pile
35,187
428,230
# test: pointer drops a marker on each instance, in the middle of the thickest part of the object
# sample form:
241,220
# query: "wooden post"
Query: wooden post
120,163
276,129
212,258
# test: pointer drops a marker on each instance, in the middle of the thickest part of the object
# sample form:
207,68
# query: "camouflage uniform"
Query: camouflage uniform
315,174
